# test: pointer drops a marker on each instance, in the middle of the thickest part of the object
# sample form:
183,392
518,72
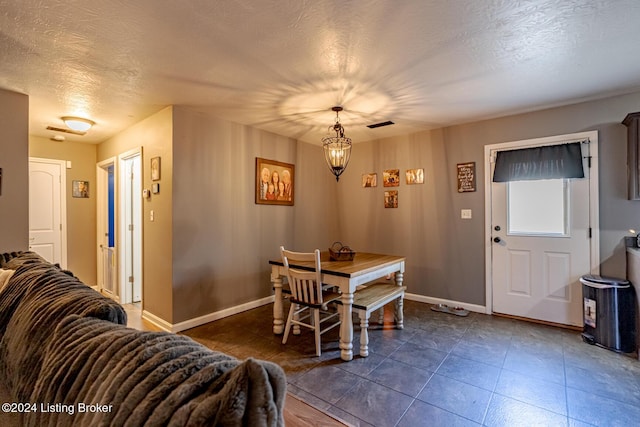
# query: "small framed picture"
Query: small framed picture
391,177
155,169
415,176
391,199
466,176
369,179
274,182
80,189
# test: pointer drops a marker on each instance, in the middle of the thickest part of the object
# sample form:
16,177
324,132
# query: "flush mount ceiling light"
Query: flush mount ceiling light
78,123
337,149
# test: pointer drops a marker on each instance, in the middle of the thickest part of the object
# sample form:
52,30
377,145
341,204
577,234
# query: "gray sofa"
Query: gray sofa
67,358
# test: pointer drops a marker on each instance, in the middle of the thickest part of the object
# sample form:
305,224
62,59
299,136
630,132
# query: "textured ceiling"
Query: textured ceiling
280,65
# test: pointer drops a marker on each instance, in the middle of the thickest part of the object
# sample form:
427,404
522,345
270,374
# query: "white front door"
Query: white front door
541,244
46,210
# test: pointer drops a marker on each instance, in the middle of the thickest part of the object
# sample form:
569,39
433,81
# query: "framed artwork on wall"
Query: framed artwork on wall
391,177
391,199
80,189
414,176
369,179
155,169
274,182
466,175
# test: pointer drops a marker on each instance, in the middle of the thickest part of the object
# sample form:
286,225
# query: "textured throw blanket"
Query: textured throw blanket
137,378
32,303
65,351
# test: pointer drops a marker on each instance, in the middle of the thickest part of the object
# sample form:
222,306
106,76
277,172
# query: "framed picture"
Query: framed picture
80,189
391,199
155,169
391,177
415,176
369,179
274,182
466,175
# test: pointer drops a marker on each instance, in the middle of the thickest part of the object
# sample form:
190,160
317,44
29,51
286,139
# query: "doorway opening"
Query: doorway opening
130,226
107,265
119,227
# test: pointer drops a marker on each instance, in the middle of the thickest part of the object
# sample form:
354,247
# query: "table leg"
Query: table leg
399,303
346,327
278,322
364,333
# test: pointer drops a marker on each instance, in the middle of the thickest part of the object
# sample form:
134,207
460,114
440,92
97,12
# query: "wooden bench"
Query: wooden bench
375,297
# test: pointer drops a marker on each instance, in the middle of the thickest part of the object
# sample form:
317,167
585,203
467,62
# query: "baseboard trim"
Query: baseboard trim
198,321
157,321
430,300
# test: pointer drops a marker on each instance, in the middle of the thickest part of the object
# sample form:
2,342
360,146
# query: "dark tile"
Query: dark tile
540,366
607,382
384,346
506,412
600,411
457,397
348,418
329,383
544,394
423,414
482,351
602,387
419,356
470,372
374,403
308,397
434,340
362,365
400,377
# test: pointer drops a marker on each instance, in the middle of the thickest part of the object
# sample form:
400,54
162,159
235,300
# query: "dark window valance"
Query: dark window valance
547,162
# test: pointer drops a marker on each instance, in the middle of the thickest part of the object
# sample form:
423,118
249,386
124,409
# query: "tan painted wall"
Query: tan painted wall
155,136
222,239
81,213
445,254
14,153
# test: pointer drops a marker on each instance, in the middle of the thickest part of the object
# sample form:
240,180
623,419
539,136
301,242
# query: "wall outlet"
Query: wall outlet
465,213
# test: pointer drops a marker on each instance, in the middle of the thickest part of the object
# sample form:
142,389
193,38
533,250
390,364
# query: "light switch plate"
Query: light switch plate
465,213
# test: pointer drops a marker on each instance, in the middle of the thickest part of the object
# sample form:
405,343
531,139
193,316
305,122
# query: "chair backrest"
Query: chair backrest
305,285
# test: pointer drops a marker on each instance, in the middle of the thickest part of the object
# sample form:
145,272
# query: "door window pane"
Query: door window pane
537,207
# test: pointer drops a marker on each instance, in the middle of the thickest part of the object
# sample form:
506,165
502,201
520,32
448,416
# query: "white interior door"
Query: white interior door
541,244
106,255
130,221
47,209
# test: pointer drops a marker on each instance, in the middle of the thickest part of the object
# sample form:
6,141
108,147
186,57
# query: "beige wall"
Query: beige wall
155,136
209,246
81,213
14,152
223,240
445,254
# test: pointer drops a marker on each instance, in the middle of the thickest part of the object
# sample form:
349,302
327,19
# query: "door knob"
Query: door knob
497,239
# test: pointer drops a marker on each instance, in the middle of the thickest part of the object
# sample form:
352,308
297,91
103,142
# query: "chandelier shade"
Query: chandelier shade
337,149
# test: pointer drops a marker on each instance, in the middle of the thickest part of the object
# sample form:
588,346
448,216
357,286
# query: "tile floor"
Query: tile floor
443,370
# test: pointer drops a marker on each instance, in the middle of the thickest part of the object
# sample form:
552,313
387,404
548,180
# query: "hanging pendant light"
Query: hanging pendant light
337,149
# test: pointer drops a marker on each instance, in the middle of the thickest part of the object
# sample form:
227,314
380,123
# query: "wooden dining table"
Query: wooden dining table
346,275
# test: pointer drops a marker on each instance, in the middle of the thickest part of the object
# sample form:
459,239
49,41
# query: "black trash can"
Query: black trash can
609,313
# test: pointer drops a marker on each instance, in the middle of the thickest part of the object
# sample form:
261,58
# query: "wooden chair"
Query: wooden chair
307,295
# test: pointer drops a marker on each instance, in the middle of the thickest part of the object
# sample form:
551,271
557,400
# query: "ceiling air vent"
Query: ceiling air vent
379,125
65,130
